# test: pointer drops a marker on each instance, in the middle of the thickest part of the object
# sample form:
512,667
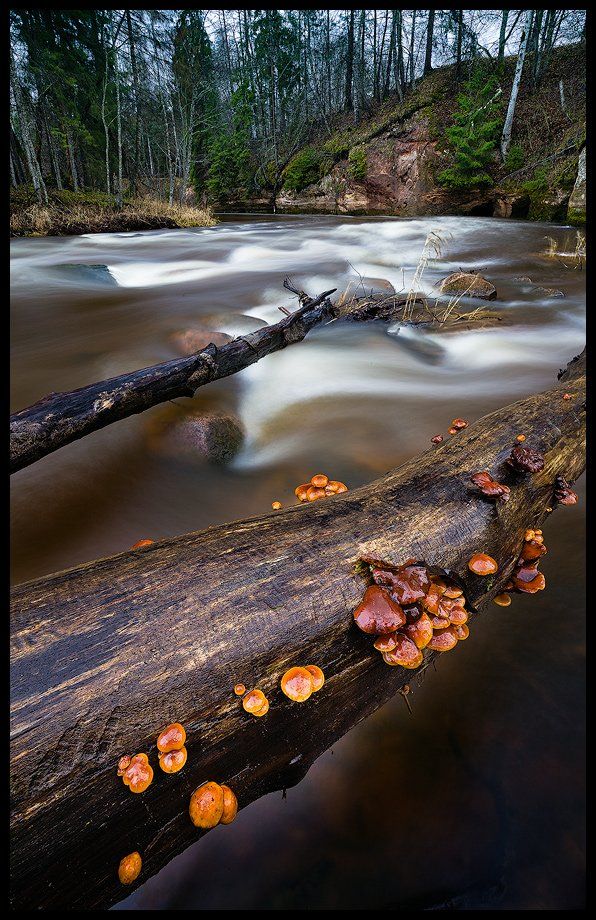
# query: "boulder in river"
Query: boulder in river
365,288
468,284
215,435
189,341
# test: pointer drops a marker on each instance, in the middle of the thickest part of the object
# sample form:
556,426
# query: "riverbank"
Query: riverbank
69,213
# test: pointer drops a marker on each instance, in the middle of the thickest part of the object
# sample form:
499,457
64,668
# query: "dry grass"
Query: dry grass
70,213
570,258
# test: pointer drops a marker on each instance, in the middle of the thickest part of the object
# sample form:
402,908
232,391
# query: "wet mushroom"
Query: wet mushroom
377,613
239,689
527,579
490,487
563,493
206,805
453,430
129,868
316,675
462,632
172,738
502,599
444,640
405,654
123,763
420,631
141,543
438,439
138,775
276,505
320,480
315,493
525,460
302,491
254,702
297,684
230,806
459,424
334,487
481,564
385,643
173,761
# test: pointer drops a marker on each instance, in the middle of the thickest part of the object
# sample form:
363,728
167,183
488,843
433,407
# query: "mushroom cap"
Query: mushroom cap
378,613
206,805
316,675
341,487
253,701
437,439
276,505
262,711
408,583
563,493
444,640
532,549
141,543
458,616
138,776
314,493
239,689
525,460
297,684
230,806
489,486
123,763
172,738
528,580
482,564
129,868
453,430
459,424
173,761
462,632
319,480
438,622
420,631
406,653
502,599
301,491
385,643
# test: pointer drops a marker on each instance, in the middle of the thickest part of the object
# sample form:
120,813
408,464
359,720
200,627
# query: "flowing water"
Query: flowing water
486,777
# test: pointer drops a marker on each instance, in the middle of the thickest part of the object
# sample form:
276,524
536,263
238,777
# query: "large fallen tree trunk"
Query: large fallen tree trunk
104,655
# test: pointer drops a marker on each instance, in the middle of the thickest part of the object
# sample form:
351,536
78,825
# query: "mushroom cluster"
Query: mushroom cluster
458,424
136,772
525,460
212,804
256,703
525,578
320,486
409,608
563,493
170,744
489,487
299,683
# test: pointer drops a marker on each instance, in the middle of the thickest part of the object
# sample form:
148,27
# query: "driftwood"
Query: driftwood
104,655
60,418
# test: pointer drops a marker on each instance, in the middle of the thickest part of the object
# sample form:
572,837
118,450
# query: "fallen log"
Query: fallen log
104,655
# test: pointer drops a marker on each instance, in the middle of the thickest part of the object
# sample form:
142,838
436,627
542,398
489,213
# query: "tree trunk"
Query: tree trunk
523,44
502,35
428,57
135,82
104,655
411,61
460,25
22,115
349,103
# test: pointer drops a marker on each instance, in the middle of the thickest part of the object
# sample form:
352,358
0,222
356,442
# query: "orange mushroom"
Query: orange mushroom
239,689
444,640
173,761
462,632
254,702
335,487
459,424
301,491
378,613
420,631
405,654
385,643
123,763
316,675
206,805
141,543
315,493
525,460
502,600
138,775
130,868
481,564
527,579
490,487
438,439
521,437
172,738
230,806
563,493
319,480
297,684
452,430
276,505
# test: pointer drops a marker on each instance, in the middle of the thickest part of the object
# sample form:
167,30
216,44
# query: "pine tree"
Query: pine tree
473,135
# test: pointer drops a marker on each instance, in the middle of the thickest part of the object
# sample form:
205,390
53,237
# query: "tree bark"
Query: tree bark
349,99
104,655
507,127
60,418
428,57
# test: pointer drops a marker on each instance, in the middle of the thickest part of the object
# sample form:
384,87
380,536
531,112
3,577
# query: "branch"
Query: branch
104,655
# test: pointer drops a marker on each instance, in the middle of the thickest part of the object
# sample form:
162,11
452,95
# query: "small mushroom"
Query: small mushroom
138,775
320,480
378,613
444,640
490,487
297,684
316,675
525,460
532,549
385,643
438,439
452,430
527,579
439,622
335,487
458,616
405,653
302,491
141,543
230,806
315,493
481,564
123,763
173,761
206,805
462,632
408,583
459,424
254,702
420,631
239,689
567,396
563,493
172,738
129,868
502,600
276,505
520,437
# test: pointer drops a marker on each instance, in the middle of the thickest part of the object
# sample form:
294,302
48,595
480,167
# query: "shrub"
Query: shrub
303,169
515,158
357,162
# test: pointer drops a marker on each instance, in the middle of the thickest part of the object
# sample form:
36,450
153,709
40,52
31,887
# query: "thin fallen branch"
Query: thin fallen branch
104,655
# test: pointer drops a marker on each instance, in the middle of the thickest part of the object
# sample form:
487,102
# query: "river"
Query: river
486,776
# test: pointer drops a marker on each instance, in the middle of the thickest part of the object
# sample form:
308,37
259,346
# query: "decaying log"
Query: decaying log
104,655
60,418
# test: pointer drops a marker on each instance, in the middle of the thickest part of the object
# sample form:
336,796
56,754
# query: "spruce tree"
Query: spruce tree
473,135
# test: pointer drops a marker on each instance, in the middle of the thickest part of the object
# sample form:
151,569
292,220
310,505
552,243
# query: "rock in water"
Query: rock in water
468,284
365,288
216,436
189,341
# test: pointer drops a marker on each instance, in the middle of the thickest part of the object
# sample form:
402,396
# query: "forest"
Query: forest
297,451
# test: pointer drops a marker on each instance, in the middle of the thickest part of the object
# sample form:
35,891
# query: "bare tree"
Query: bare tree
523,44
